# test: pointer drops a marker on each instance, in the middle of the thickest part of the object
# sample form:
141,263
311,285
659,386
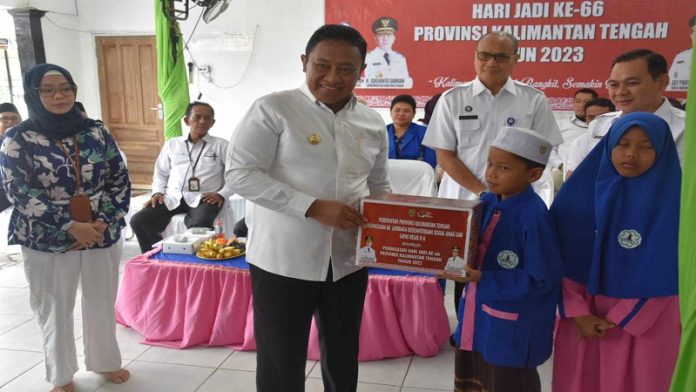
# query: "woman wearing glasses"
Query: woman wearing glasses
405,136
70,190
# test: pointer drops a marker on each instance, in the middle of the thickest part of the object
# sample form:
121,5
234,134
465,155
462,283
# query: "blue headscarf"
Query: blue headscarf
51,125
618,235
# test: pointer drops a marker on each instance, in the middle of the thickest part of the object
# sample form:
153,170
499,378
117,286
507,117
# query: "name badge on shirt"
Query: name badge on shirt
194,184
469,117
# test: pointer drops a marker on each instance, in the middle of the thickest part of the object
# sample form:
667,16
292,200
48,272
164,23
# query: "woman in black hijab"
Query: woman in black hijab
66,179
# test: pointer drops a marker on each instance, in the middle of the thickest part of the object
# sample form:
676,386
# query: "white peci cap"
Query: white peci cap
525,143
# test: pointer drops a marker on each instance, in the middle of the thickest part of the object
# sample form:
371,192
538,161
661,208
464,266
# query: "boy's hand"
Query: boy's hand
591,326
472,275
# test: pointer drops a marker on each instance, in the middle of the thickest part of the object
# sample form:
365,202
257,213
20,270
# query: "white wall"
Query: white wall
70,28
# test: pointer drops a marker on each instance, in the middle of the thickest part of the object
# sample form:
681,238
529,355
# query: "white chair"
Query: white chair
410,177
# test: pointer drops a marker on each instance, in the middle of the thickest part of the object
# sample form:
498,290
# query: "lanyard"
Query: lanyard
75,163
193,169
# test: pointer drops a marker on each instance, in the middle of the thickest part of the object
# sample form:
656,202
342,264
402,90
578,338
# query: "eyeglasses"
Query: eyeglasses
9,119
49,92
499,57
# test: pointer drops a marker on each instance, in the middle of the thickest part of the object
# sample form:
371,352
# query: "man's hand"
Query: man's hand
213,198
85,234
335,213
157,198
591,326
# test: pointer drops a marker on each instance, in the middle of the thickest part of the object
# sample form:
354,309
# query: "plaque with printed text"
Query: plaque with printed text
421,234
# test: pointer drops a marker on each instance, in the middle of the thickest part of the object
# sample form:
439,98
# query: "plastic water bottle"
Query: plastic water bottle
219,229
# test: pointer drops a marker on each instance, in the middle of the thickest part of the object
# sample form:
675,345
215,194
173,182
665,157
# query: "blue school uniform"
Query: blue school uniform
515,300
411,145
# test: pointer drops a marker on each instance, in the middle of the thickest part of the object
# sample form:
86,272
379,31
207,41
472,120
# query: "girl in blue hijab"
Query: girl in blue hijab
617,220
70,190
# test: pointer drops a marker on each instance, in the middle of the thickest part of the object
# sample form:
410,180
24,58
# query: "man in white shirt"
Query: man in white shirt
455,263
572,126
680,70
468,118
637,83
304,158
386,67
367,253
188,178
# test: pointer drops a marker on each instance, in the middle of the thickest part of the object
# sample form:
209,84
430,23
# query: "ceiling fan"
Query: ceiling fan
179,9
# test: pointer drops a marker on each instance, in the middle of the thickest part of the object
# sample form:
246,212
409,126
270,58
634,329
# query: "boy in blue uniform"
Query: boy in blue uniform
509,307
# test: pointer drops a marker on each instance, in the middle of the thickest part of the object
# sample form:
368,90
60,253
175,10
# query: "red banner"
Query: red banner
564,45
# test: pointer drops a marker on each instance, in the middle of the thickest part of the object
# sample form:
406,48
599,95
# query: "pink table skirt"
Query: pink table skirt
182,305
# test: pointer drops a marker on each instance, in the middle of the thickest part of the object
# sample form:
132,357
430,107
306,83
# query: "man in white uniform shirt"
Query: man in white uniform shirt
304,158
367,252
188,178
455,263
637,83
572,126
468,118
680,70
384,65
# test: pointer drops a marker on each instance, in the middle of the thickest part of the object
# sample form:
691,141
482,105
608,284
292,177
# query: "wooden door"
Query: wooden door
129,101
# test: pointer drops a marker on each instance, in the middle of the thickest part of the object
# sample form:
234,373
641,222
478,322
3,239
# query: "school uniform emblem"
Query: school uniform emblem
508,259
314,139
510,121
629,239
468,109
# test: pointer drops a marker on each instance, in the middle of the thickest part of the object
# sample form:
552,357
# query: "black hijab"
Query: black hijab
51,125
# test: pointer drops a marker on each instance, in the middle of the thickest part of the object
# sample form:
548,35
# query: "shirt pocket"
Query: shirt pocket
506,337
468,130
211,159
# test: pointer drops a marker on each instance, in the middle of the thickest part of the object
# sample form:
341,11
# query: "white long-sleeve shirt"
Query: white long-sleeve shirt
174,165
290,150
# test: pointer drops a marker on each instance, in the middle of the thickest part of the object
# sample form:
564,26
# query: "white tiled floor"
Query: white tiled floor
200,369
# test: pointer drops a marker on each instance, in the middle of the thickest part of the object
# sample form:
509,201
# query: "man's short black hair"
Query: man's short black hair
586,91
692,21
337,32
405,99
657,65
8,107
198,103
603,102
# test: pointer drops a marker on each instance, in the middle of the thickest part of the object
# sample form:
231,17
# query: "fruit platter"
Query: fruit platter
217,249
